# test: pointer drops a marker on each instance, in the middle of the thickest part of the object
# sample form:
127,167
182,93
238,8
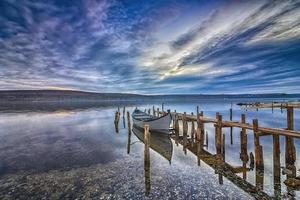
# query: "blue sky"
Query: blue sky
151,46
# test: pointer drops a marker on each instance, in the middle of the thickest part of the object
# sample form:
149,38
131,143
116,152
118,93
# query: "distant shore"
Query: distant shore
79,96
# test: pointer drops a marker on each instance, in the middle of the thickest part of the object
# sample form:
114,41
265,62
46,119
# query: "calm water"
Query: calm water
78,154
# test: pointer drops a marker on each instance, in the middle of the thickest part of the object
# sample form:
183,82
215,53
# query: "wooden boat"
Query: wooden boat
159,142
155,123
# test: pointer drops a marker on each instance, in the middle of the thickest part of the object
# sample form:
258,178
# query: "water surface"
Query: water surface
77,153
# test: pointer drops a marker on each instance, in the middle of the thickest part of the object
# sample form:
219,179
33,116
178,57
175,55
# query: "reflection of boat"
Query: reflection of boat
155,123
159,142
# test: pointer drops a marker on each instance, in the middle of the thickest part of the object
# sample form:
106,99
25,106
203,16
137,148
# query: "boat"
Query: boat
159,142
155,123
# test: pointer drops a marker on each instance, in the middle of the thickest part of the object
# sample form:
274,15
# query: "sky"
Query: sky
151,46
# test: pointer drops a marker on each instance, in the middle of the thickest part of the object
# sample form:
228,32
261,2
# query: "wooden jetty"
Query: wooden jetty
193,138
239,124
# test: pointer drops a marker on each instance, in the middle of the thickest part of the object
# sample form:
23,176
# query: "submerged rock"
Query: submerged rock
293,183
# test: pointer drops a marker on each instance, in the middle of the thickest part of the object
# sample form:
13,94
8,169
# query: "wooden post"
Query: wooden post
281,107
290,118
124,111
231,128
128,120
157,112
197,110
218,127
243,133
257,147
162,107
272,107
184,125
290,151
244,151
276,165
206,138
223,147
193,128
200,127
176,124
116,121
147,159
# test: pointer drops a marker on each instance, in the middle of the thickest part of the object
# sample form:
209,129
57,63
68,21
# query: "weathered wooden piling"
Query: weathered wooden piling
200,127
193,128
290,151
162,107
184,125
206,140
176,124
231,128
157,112
116,121
147,159
218,128
223,147
257,147
124,110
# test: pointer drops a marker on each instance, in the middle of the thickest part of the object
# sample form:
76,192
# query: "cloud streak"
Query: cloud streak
154,47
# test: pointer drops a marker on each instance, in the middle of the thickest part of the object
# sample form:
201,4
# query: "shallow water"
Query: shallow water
78,154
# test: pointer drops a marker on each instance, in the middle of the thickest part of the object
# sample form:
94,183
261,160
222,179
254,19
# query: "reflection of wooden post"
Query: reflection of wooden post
231,128
129,132
259,178
124,111
199,151
272,106
257,146
276,166
147,159
153,110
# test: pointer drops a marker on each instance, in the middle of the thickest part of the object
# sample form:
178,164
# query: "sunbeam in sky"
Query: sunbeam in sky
151,47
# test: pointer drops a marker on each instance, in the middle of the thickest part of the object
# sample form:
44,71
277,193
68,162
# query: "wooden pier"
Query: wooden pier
194,138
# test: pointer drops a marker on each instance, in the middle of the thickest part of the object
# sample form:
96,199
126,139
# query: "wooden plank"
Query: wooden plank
276,131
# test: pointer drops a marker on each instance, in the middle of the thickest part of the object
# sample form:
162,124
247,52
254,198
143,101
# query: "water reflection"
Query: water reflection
81,149
160,143
238,175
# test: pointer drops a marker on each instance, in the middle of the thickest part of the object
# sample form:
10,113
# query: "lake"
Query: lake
78,154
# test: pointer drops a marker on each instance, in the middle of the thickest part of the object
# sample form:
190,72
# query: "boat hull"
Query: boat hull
161,124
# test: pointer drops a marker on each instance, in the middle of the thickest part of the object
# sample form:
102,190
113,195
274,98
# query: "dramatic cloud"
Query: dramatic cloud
151,46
